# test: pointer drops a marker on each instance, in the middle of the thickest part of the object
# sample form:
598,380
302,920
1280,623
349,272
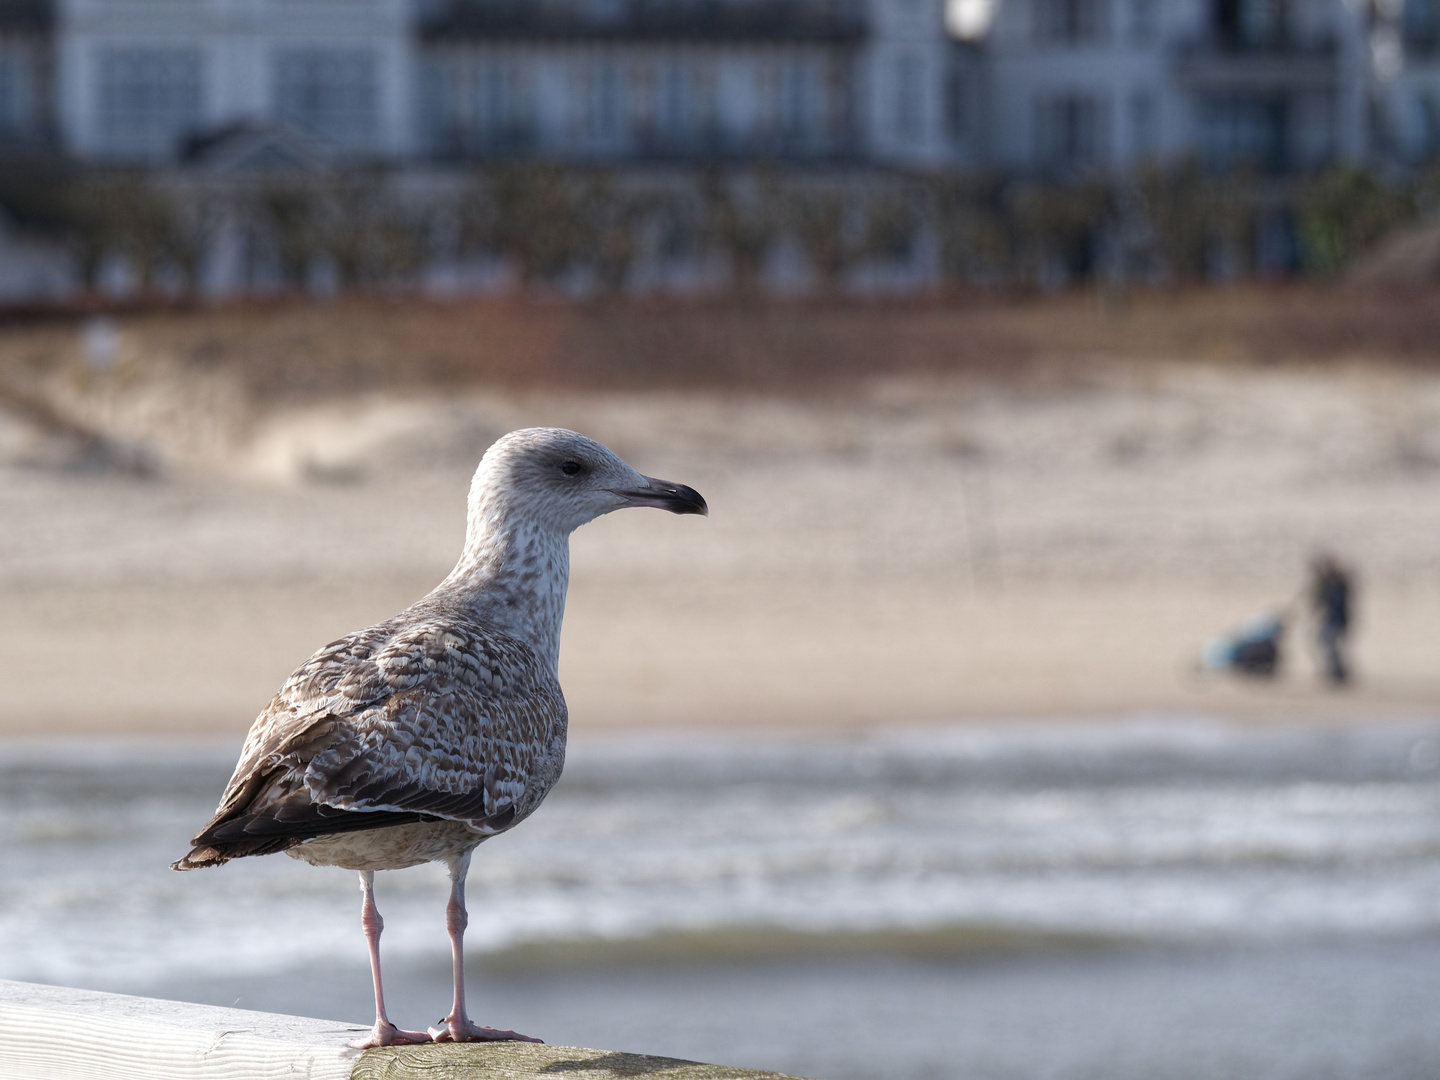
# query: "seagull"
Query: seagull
418,738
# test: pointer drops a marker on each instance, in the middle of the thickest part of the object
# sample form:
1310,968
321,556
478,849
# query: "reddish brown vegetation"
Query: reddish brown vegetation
289,349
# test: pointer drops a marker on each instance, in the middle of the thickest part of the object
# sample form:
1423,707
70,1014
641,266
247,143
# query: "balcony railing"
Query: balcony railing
725,20
701,145
1279,65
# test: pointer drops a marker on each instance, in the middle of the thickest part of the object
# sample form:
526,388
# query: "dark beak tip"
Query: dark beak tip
689,501
668,495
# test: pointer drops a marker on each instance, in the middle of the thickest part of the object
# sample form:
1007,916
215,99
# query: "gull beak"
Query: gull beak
666,495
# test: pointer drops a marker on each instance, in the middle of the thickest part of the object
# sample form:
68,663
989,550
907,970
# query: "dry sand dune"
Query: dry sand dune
925,546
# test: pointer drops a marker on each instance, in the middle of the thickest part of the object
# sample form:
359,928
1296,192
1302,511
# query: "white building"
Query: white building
1278,84
135,81
837,80
1035,85
136,78
645,80
1405,47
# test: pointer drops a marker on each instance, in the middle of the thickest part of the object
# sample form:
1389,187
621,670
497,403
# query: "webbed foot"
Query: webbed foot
452,1030
389,1035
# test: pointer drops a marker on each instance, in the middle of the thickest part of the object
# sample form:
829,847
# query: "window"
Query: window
910,98
1069,130
1144,21
957,105
1261,22
1144,135
1243,129
1428,123
493,97
797,101
1071,22
597,99
704,88
497,116
1249,24
603,107
766,117
604,12
149,100
673,111
1420,24
14,87
329,93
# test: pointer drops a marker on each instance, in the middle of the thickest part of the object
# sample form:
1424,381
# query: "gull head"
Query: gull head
562,479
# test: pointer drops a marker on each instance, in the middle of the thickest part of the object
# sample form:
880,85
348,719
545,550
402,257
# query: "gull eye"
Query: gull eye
570,468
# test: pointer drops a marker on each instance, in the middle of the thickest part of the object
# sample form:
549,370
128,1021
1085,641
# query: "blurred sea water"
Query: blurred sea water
1150,898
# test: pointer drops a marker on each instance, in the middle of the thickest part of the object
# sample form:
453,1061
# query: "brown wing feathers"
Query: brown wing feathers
272,811
252,834
382,729
268,825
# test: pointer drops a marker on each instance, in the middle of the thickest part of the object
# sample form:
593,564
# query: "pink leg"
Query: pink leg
384,1033
458,1027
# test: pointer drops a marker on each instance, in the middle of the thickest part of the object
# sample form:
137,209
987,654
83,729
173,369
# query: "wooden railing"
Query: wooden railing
56,1033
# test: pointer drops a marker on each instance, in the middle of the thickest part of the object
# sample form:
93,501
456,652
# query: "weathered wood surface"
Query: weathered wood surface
529,1061
55,1033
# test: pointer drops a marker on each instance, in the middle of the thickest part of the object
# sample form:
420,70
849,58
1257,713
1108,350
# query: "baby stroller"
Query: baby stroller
1253,650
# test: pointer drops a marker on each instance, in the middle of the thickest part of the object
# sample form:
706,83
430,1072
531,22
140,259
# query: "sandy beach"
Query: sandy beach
914,547
910,729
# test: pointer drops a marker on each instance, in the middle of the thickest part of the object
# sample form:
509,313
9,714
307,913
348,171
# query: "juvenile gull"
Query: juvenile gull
418,738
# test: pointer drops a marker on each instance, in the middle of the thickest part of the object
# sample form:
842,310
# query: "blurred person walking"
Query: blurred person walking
1331,592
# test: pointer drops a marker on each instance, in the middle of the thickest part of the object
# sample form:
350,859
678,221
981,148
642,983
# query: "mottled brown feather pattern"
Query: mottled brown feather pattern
428,715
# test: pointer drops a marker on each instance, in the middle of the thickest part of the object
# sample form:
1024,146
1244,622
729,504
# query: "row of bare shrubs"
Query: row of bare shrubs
603,230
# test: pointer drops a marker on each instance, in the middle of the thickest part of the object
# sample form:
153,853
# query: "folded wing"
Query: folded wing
410,720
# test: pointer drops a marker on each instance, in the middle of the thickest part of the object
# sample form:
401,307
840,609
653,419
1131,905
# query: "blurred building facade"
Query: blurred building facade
1017,85
136,81
675,79
1280,85
149,81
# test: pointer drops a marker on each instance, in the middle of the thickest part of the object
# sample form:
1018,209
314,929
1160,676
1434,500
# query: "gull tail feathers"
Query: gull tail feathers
203,854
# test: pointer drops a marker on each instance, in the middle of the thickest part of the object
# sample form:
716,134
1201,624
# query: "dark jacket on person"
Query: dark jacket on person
1332,599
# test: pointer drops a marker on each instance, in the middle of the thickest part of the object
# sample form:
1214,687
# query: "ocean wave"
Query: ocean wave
1012,838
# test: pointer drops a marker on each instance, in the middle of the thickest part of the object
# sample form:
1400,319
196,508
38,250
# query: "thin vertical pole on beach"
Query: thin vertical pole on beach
981,539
